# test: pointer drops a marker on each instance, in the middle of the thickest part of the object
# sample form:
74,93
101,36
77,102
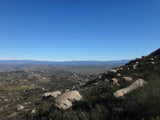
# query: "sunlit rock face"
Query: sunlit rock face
65,100
136,84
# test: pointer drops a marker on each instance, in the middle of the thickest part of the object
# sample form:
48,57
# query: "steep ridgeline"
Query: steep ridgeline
135,87
146,68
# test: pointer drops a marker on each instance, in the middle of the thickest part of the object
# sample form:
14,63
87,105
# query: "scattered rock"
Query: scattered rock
75,87
33,111
96,83
67,90
65,100
136,84
106,80
112,71
100,76
6,100
25,103
121,68
42,88
118,74
152,62
134,66
37,77
151,59
53,94
19,107
115,80
126,79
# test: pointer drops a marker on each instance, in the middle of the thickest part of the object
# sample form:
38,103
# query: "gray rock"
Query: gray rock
118,74
134,66
112,71
65,100
96,83
53,94
115,80
106,80
152,59
126,79
152,63
67,90
136,84
100,76
19,107
33,111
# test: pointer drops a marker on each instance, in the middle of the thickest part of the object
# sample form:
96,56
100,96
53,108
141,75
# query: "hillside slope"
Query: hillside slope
99,103
42,95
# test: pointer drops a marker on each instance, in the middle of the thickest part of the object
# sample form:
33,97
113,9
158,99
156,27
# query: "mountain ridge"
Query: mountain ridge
78,63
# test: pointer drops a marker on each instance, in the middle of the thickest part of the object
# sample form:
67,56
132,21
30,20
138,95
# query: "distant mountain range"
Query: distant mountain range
64,63
101,66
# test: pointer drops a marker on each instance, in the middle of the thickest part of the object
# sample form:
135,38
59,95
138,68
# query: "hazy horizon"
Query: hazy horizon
61,60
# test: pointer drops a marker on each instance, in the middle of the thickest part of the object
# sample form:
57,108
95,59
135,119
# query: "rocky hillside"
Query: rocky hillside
129,92
19,90
144,68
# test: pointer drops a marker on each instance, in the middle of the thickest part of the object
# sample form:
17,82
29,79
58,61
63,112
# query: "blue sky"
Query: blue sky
60,30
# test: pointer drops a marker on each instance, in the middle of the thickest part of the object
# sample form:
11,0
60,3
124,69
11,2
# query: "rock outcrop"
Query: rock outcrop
114,80
118,74
136,84
112,71
65,100
53,94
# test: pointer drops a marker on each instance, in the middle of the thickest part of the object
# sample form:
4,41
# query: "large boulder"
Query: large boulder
65,100
136,84
53,94
112,71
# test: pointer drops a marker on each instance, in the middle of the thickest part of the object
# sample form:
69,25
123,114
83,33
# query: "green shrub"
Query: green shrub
144,102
